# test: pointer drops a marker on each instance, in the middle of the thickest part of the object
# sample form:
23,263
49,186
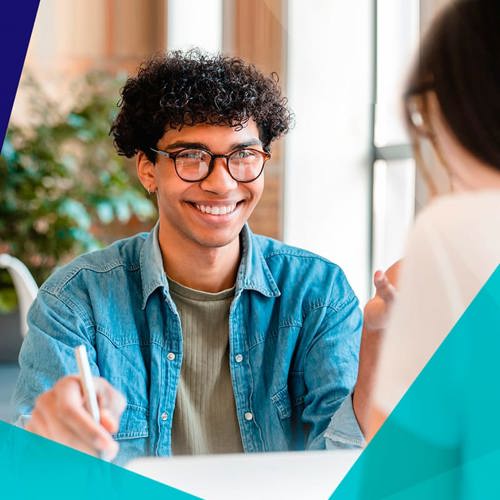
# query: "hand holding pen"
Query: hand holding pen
79,413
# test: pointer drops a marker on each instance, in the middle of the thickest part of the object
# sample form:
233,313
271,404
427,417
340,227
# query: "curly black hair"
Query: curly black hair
187,88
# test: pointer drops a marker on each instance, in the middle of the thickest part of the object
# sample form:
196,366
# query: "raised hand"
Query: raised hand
377,309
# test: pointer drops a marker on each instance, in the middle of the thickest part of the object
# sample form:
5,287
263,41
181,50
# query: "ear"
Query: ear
146,172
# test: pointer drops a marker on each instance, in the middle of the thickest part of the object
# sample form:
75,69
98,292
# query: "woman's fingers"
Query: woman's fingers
384,289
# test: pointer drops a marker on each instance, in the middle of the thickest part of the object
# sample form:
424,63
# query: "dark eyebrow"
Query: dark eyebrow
200,145
247,144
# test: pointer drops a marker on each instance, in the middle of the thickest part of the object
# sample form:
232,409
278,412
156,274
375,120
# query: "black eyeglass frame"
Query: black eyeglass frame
173,155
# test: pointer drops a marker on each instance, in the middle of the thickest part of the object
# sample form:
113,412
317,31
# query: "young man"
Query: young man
207,338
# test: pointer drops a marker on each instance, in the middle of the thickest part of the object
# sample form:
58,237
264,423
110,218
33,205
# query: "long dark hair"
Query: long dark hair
459,60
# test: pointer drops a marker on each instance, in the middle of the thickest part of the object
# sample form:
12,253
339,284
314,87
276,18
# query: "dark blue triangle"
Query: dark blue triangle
16,23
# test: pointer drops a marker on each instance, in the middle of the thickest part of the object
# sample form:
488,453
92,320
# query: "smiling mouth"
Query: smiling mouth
216,209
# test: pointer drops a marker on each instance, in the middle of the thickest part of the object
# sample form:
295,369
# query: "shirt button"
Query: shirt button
238,358
164,416
248,416
170,356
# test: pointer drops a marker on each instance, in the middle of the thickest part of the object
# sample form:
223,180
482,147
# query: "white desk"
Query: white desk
255,476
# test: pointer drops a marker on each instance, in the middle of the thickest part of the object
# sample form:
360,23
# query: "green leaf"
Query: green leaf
75,121
76,211
122,209
105,212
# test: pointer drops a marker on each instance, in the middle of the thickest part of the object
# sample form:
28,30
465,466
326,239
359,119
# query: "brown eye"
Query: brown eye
244,154
192,155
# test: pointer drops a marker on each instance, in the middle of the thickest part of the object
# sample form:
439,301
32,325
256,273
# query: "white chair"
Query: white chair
25,285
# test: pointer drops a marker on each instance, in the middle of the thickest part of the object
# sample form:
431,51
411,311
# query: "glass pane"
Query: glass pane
393,209
397,39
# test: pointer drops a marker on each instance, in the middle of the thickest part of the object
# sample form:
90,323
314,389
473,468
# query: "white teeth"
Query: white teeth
207,209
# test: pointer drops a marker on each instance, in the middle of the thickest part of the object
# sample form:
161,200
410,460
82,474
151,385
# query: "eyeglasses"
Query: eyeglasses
194,165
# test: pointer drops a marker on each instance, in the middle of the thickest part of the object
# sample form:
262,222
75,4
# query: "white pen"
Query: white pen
87,383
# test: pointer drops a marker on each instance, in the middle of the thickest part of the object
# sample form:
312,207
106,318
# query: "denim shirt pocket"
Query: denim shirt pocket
122,363
282,403
291,438
133,433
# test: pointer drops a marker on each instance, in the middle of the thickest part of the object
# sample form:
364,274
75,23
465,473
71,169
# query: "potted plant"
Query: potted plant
61,181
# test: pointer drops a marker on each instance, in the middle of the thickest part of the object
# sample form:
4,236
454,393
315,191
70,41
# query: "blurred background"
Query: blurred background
342,183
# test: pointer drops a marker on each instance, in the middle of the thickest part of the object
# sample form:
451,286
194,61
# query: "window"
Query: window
393,188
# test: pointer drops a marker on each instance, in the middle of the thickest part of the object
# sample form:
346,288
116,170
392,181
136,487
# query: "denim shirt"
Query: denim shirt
294,334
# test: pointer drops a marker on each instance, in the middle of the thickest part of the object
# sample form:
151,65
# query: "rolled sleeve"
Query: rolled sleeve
343,430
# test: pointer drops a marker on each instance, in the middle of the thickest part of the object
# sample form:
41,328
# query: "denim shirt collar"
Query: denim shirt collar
151,262
253,272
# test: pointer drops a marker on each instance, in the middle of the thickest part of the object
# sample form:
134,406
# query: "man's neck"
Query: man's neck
200,268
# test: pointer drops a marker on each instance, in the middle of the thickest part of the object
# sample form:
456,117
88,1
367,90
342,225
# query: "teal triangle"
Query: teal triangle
442,440
32,467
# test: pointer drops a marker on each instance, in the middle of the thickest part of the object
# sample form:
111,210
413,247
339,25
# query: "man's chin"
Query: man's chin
218,238
215,242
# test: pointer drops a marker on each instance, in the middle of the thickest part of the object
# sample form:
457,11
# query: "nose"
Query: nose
219,181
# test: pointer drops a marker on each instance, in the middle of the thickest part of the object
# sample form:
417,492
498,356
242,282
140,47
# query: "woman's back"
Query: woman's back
452,250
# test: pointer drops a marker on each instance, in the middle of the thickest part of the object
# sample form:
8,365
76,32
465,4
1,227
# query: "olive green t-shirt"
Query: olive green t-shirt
205,418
